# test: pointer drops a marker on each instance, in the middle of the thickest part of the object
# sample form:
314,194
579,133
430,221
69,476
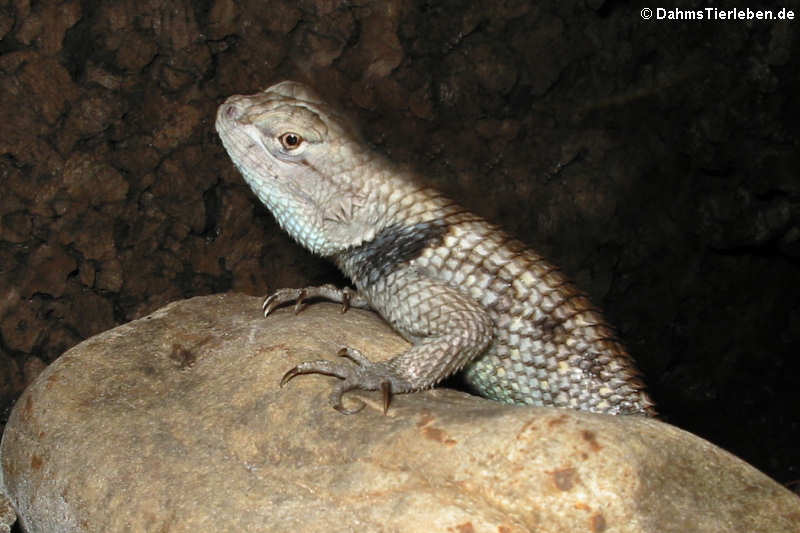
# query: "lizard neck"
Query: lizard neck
370,201
410,219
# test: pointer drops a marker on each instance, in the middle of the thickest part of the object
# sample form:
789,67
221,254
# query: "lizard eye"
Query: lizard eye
290,141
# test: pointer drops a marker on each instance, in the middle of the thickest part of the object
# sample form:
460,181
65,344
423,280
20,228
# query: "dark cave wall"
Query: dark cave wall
656,162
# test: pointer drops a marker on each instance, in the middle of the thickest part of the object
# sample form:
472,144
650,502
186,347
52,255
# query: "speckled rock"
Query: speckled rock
175,422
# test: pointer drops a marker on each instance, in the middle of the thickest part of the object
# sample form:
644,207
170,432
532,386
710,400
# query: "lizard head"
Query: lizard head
305,162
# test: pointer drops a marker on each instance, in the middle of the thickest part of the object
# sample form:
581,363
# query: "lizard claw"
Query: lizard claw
287,377
298,305
362,375
386,389
346,296
281,297
336,402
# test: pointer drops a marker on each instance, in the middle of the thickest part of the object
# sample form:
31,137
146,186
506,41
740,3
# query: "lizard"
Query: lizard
468,296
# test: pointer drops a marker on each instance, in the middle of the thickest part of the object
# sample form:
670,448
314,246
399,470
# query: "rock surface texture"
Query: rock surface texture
175,422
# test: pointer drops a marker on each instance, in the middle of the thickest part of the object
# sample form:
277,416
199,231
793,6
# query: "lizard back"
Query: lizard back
550,345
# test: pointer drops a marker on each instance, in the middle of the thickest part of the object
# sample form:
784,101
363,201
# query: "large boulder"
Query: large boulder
176,422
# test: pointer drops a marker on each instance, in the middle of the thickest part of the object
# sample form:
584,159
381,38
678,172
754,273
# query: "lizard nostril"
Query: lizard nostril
231,111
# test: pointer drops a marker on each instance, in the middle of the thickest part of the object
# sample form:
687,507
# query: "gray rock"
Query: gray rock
175,422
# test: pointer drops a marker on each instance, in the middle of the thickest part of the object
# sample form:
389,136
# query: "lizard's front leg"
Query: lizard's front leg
344,295
448,330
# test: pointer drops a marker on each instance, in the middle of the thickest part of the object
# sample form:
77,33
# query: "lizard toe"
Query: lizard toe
336,400
358,374
280,297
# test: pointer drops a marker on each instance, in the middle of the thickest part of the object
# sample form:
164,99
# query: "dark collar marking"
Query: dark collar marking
393,246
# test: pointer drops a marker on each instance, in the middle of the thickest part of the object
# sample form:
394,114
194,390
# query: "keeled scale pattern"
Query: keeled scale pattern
476,293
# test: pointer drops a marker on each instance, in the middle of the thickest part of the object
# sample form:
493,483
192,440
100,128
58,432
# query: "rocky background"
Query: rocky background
656,162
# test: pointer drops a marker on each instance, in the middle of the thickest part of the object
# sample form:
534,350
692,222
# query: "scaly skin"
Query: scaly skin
464,293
